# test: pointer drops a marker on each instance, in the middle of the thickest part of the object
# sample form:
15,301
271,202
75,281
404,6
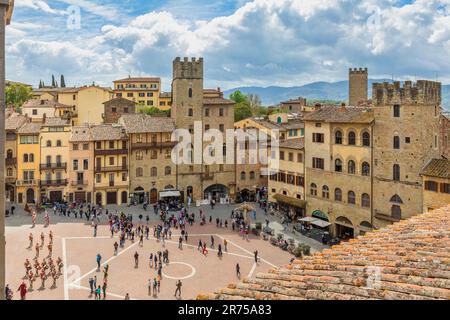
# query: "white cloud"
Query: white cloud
265,42
36,5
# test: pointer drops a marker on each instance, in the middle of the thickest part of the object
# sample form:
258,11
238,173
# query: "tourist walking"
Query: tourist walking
178,289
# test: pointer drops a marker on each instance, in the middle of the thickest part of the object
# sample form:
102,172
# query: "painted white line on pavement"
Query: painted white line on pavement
250,274
107,293
66,287
245,250
104,263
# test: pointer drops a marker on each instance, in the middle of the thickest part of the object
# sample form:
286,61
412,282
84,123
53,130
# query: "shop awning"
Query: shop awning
307,219
321,223
290,201
169,194
321,215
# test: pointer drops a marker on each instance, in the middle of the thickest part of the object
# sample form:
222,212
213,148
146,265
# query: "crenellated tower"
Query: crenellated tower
358,85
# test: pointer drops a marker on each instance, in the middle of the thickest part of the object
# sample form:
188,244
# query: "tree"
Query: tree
242,111
53,81
153,111
255,104
17,94
238,97
63,82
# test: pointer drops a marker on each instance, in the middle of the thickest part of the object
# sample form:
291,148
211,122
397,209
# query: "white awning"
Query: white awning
170,193
307,219
321,223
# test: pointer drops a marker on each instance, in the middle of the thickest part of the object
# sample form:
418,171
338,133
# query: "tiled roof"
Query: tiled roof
439,168
139,79
120,99
81,134
294,124
37,103
298,143
15,121
108,132
142,123
56,122
165,95
341,114
217,101
407,260
30,128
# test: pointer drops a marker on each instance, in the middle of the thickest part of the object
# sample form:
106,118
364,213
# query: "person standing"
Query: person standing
225,243
23,290
178,289
256,256
136,259
99,260
91,285
116,247
238,271
104,289
180,243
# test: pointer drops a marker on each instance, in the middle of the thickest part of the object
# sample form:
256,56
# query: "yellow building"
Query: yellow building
165,101
87,102
39,109
286,185
338,144
111,181
145,91
28,161
12,124
436,184
54,141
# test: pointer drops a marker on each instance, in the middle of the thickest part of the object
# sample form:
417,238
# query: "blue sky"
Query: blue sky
244,42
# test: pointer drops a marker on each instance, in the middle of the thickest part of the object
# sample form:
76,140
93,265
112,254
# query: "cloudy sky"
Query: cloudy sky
243,42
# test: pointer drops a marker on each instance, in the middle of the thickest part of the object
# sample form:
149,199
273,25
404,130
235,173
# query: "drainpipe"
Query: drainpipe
372,170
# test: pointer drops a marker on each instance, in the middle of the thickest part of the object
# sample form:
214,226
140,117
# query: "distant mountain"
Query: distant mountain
337,91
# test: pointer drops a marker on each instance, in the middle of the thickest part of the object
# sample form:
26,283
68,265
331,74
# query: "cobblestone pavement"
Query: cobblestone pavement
220,211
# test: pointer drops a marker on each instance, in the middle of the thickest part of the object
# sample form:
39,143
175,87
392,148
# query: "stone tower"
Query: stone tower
358,85
405,138
187,108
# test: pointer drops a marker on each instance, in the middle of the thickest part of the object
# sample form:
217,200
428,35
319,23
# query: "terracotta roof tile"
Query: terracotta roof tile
341,114
142,123
15,121
437,168
407,260
81,134
217,101
30,128
298,143
108,132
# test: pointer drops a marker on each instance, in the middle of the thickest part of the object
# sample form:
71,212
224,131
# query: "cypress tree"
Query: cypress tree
63,82
53,81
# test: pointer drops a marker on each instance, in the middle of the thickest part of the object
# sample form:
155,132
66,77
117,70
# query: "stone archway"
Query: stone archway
344,228
216,192
30,196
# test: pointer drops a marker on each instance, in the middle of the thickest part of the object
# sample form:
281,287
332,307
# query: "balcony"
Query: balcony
10,161
108,152
54,166
24,183
110,169
10,180
79,183
54,183
153,145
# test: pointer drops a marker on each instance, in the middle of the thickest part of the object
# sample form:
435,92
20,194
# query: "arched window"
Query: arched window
48,143
139,172
352,138
351,197
396,212
365,200
396,172
366,139
154,172
58,143
9,172
168,171
365,169
338,194
325,192
243,175
313,189
351,167
338,137
9,154
396,199
338,165
25,157
190,92
31,157
252,175
396,142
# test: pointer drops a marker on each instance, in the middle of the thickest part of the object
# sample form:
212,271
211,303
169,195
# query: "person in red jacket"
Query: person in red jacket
23,290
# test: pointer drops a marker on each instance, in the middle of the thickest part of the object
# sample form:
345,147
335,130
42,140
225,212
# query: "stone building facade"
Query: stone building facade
117,107
406,137
294,105
338,145
358,86
151,167
190,107
444,138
